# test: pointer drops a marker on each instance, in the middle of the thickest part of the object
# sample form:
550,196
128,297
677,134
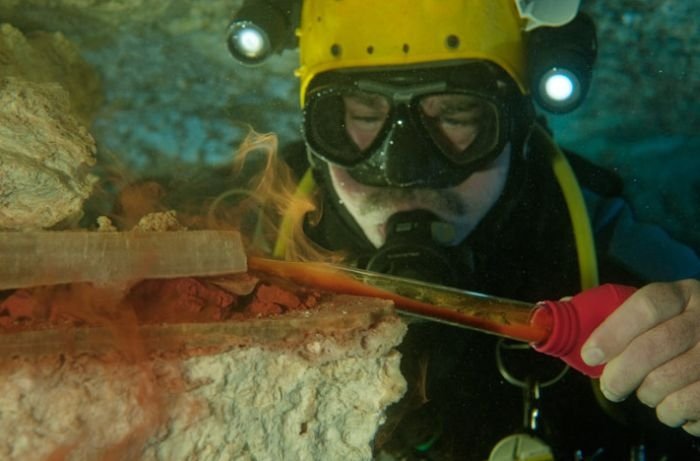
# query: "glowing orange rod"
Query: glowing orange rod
557,328
500,316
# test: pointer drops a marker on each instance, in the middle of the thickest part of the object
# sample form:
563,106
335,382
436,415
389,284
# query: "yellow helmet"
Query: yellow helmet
338,34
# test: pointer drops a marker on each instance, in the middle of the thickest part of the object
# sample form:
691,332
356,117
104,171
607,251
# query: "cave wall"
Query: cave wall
173,95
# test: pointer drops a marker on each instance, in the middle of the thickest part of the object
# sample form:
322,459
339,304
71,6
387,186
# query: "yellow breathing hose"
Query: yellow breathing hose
583,233
305,188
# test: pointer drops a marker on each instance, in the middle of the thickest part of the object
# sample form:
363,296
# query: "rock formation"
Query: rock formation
45,150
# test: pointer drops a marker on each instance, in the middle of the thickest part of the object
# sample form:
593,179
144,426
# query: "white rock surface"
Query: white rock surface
45,156
293,393
47,96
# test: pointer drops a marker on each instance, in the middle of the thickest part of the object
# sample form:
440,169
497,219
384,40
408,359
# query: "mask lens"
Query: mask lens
365,116
465,127
344,123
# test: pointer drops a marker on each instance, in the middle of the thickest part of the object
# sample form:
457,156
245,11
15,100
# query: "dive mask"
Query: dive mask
416,128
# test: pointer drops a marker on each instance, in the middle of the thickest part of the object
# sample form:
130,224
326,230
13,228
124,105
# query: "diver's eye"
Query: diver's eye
365,122
458,121
365,115
454,120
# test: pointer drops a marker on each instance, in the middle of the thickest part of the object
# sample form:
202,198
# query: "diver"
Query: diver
432,161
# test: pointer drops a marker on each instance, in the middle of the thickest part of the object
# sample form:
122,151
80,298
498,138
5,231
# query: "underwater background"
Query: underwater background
173,97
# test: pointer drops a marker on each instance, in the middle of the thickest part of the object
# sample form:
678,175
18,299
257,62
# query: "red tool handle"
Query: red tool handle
572,322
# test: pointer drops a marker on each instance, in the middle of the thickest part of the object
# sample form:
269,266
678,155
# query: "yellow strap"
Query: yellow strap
304,189
583,233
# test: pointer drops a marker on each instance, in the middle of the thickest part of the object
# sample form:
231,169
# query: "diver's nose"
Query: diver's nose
407,160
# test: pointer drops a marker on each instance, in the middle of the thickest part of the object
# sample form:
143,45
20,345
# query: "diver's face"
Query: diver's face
463,205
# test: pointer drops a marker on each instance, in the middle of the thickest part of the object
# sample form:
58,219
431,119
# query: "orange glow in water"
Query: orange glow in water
210,199
252,195
270,196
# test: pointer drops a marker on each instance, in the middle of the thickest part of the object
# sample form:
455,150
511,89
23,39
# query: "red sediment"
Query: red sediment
272,299
62,452
179,300
272,294
19,306
120,312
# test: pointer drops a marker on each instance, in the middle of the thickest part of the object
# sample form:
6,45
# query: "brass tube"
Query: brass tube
490,314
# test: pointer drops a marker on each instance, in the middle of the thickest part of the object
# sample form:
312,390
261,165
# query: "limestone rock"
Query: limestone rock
300,386
45,156
45,57
159,222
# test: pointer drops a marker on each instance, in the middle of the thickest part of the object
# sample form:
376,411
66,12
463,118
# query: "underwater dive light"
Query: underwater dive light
261,28
561,63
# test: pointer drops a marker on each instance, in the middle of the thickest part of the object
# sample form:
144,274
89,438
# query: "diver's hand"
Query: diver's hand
651,343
